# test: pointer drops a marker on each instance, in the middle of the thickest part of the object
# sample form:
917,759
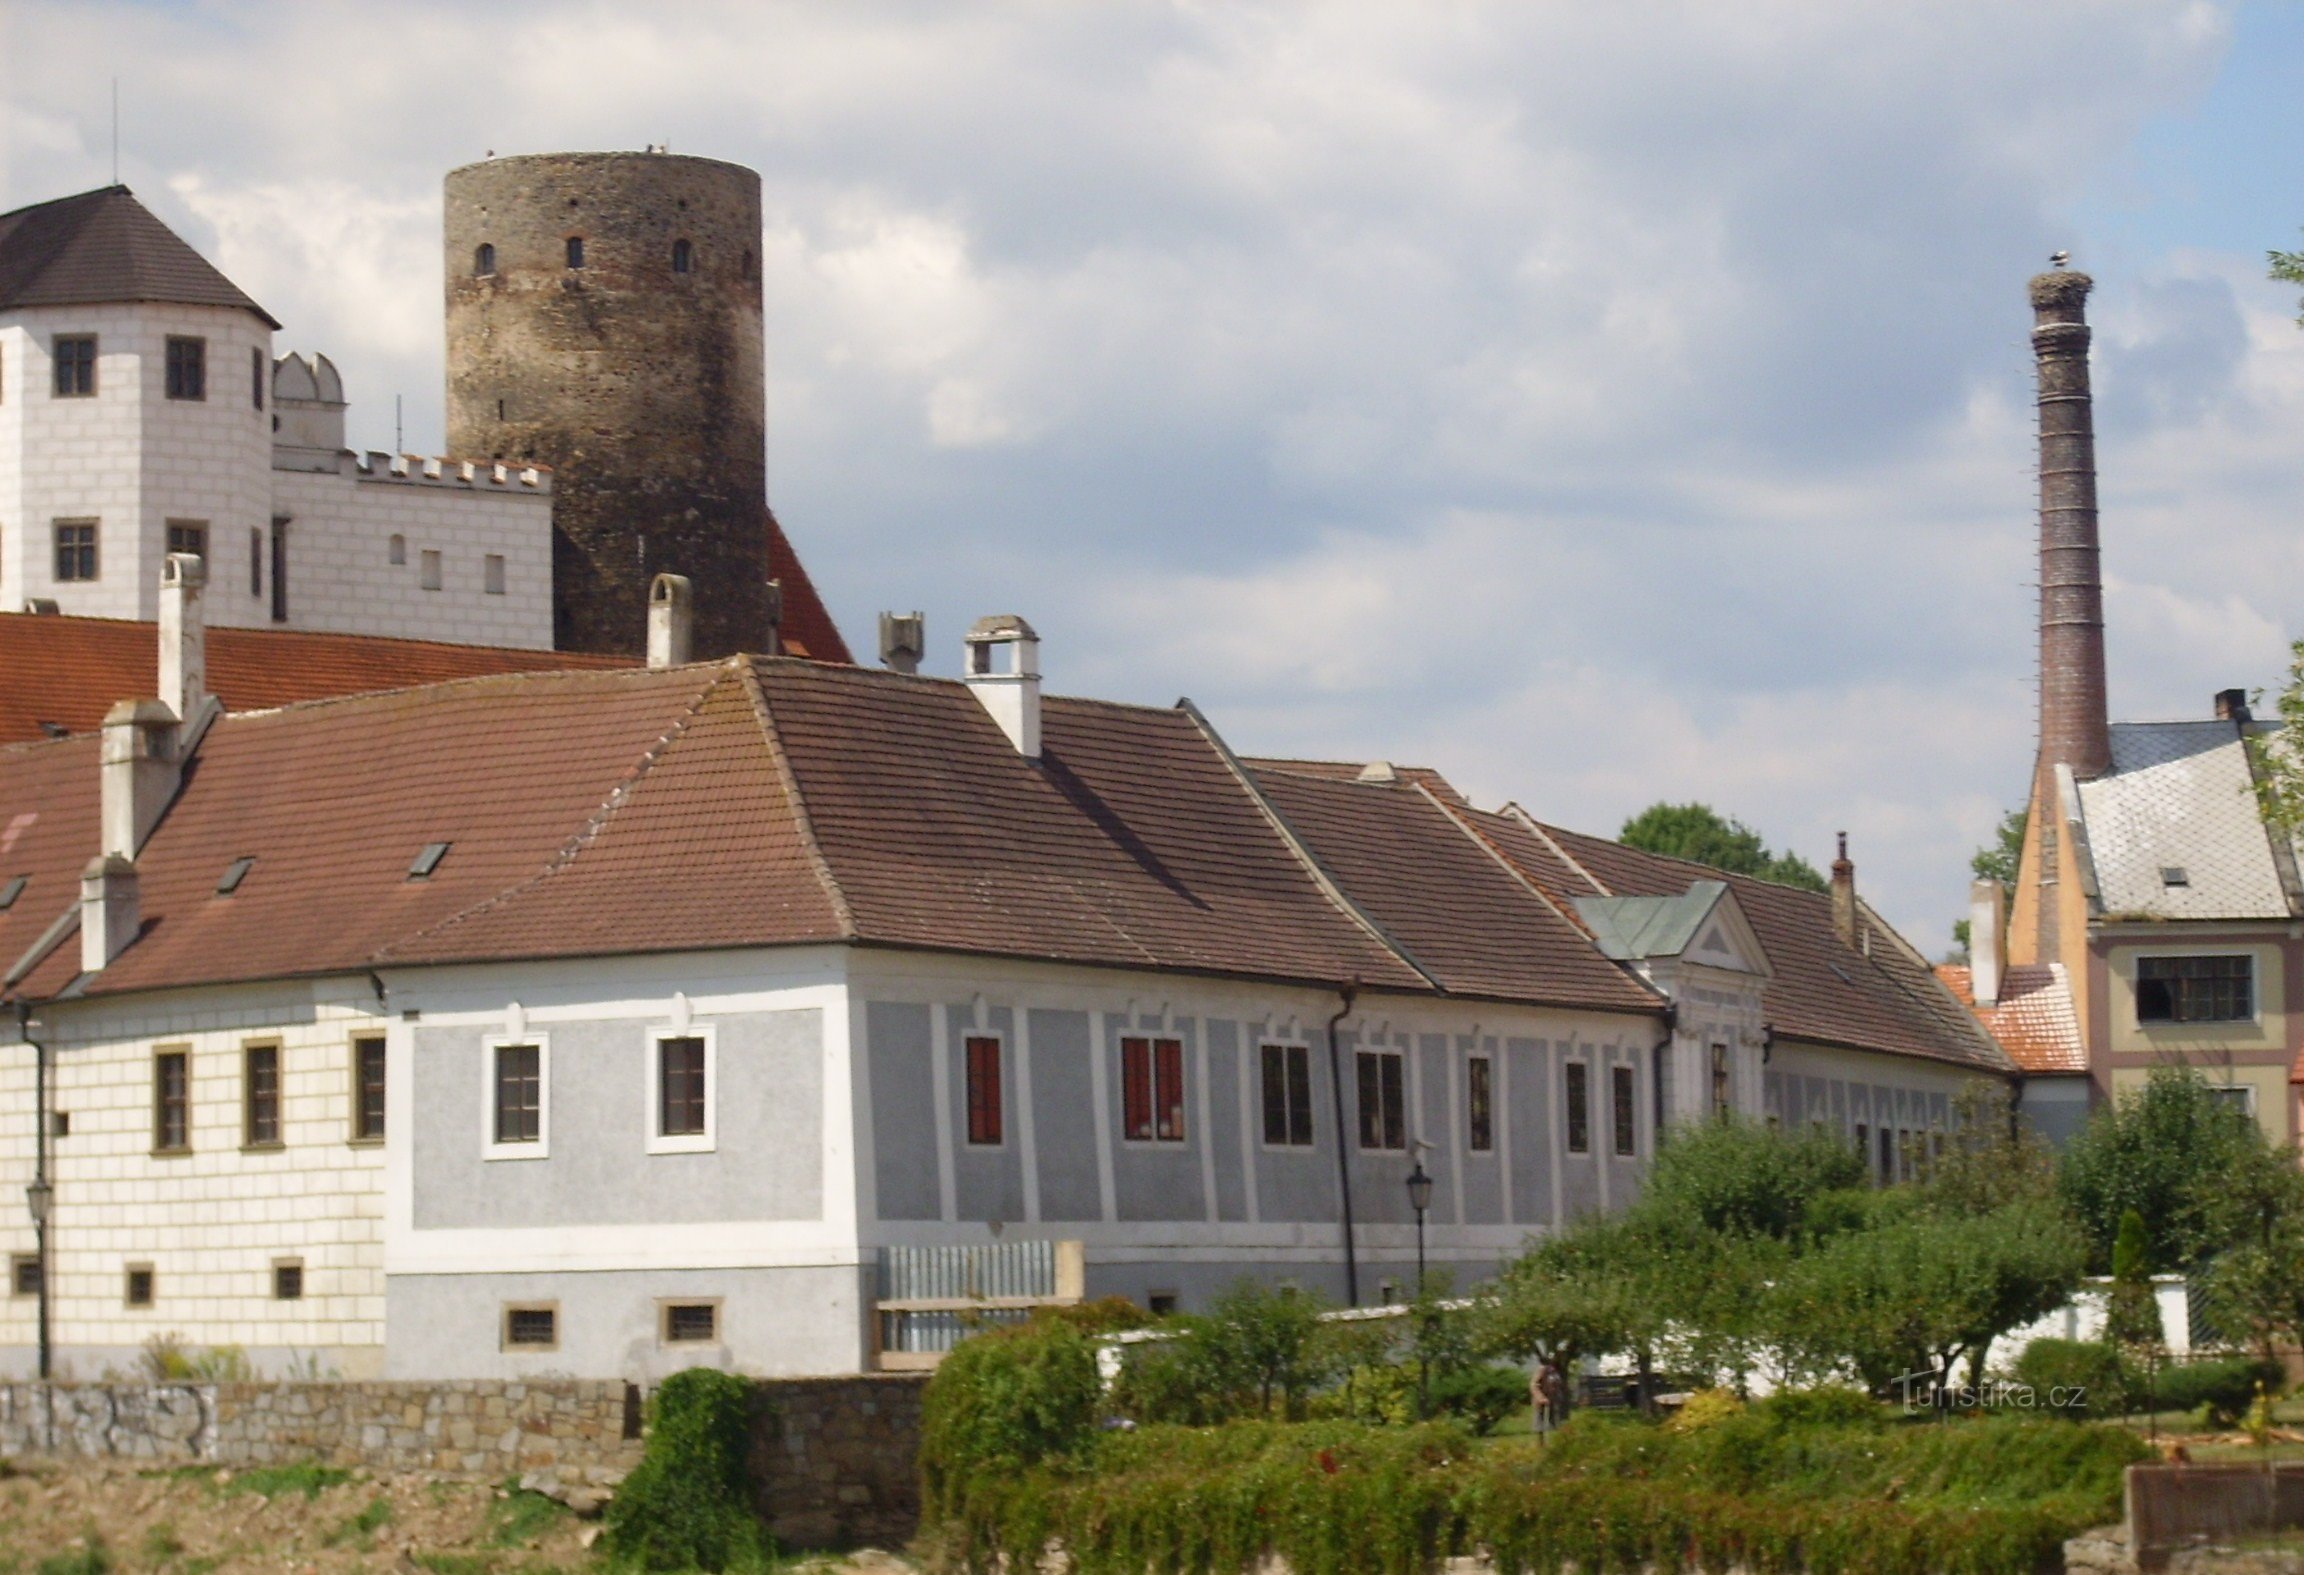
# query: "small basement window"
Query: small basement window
691,1323
24,1274
428,860
531,1327
288,1280
138,1292
234,873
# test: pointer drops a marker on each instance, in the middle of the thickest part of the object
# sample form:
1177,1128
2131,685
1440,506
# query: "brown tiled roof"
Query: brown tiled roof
102,247
1350,770
1823,990
1449,902
1131,843
48,832
2033,1019
808,629
69,671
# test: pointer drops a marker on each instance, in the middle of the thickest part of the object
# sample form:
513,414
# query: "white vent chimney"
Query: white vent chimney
111,909
138,762
671,621
183,635
1987,940
1003,668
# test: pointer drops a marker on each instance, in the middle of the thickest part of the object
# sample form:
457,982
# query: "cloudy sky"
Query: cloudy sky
1598,403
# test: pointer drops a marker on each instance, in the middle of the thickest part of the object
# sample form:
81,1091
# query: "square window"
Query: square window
1383,1101
1579,1102
985,1125
172,1101
260,1096
519,1094
1288,1096
2195,989
189,536
368,1090
1479,1105
139,1290
288,1280
1627,1132
1152,1089
531,1326
75,358
428,570
187,368
691,1323
492,574
24,1274
75,550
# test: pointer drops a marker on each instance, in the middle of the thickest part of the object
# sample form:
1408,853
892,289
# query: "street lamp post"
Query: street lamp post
38,1197
1420,1199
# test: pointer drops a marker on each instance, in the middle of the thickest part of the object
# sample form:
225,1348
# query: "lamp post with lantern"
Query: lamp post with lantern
1420,1199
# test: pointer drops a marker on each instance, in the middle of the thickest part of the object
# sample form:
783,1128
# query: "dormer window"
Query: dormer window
683,256
575,251
483,260
2175,875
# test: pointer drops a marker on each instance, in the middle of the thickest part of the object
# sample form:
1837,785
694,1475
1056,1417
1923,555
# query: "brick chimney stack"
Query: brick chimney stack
2074,726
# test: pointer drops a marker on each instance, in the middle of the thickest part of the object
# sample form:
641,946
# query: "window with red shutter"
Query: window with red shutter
1168,1089
984,1125
1136,1089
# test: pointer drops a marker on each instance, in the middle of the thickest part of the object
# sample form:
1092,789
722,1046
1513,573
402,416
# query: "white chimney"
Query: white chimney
183,635
1003,668
671,621
1987,940
139,773
110,909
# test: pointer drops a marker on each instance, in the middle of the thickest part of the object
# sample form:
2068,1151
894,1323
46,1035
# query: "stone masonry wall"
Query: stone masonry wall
834,1459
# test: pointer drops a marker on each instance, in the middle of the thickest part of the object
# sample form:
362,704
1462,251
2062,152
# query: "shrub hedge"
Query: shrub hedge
688,1504
1829,1485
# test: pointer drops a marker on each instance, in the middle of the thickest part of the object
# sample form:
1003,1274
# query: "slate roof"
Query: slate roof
68,671
103,247
2033,1019
772,801
2180,796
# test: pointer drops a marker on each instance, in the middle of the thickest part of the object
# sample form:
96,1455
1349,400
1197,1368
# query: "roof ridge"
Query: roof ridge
1330,887
764,715
584,835
533,674
1544,835
1503,861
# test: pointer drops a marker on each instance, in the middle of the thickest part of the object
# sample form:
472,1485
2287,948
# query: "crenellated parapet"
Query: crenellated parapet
432,470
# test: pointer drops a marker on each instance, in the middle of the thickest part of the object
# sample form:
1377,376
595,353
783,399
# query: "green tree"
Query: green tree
2131,1315
2286,268
1701,834
1992,1157
1998,859
2194,1167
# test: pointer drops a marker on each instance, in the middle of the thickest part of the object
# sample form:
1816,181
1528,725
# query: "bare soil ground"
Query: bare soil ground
116,1520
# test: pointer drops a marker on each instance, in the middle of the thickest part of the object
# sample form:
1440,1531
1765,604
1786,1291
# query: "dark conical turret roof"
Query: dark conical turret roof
103,247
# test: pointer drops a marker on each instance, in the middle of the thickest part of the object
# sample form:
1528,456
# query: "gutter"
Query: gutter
1347,991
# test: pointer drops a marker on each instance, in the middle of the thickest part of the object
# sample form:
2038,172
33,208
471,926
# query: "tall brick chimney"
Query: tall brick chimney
2074,726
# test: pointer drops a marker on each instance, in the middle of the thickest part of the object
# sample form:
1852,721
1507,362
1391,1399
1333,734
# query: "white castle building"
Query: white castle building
143,412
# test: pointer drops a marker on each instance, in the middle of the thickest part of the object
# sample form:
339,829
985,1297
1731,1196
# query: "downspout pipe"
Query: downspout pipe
42,1127
1346,992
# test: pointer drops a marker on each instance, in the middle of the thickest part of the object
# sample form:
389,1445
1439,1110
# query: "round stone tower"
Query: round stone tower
604,319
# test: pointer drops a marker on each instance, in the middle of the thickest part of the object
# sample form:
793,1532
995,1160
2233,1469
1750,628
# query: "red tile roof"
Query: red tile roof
2033,1019
68,671
758,802
808,629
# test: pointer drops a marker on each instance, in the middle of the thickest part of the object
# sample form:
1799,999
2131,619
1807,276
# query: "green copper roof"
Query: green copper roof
1630,928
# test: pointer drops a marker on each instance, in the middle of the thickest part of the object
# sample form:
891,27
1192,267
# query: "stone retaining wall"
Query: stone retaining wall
835,1459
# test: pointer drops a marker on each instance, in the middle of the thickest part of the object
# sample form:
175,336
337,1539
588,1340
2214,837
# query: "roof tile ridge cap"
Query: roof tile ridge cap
355,696
578,840
764,716
1330,887
1503,860
1536,829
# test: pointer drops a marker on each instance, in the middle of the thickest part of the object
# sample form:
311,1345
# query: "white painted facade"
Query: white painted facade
299,533
413,1249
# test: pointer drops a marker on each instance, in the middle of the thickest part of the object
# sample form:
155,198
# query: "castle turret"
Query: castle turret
604,319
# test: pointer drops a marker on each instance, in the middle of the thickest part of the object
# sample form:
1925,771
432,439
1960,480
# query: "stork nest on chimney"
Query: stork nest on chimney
2066,287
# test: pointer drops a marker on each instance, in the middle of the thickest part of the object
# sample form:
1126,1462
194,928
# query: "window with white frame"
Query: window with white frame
516,1106
682,1090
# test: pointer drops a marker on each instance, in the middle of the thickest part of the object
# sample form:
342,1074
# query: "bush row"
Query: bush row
2089,1378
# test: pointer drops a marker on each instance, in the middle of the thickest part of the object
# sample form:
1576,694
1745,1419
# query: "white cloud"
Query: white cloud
1602,403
